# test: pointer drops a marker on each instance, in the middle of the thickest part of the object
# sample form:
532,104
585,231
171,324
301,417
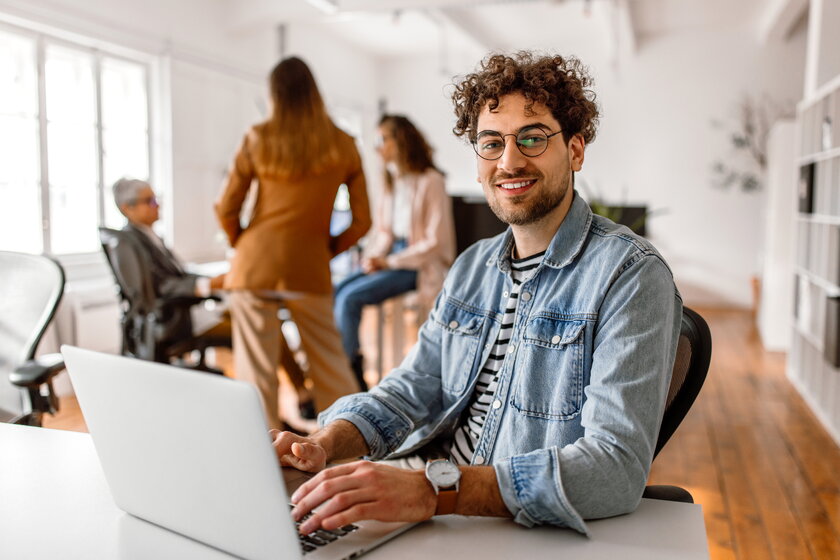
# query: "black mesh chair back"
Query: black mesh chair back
31,287
694,353
136,292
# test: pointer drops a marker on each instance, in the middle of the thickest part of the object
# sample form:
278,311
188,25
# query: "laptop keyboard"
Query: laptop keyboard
321,537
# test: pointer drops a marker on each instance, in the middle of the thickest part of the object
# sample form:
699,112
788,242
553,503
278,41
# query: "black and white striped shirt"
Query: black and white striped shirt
472,421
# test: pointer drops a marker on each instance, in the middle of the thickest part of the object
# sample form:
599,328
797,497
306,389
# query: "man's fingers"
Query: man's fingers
342,509
292,460
298,452
317,491
303,450
354,514
312,483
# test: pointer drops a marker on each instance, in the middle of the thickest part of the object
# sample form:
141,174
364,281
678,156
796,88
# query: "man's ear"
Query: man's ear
577,146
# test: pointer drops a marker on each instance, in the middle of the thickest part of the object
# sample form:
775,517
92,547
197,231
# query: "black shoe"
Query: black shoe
307,410
357,364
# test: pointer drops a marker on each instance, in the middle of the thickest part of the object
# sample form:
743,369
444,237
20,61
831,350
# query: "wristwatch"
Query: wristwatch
444,476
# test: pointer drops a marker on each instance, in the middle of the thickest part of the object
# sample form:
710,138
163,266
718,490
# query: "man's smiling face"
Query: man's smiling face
523,190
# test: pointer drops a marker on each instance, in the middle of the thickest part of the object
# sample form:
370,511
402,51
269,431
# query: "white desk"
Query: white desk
55,504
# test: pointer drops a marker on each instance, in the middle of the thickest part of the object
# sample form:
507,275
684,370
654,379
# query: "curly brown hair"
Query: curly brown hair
561,84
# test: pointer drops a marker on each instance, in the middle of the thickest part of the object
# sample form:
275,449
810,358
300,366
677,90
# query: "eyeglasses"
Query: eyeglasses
531,141
150,200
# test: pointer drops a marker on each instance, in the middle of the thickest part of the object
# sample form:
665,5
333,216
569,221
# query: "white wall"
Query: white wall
656,144
776,311
415,87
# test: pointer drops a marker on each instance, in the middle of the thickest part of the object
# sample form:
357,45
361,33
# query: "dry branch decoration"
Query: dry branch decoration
748,133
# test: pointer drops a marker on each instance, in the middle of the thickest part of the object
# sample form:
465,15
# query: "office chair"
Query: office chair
148,329
31,287
694,353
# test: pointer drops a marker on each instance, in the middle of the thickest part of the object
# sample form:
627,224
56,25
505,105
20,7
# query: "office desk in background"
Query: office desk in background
55,504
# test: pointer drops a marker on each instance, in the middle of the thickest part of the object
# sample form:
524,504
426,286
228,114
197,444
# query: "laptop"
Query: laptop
190,452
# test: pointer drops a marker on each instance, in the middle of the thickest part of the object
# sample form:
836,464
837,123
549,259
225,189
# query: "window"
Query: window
73,119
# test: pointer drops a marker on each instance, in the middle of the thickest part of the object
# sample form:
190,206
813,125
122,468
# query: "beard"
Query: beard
518,211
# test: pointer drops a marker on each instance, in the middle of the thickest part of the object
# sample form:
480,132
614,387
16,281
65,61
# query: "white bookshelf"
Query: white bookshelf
814,359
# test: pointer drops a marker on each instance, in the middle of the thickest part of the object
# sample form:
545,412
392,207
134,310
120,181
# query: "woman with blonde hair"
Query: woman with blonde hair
299,158
412,243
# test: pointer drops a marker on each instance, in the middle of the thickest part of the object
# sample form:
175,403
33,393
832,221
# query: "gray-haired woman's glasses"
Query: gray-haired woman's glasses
531,141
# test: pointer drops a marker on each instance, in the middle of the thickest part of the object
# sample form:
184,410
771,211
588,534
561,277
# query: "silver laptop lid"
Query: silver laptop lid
186,450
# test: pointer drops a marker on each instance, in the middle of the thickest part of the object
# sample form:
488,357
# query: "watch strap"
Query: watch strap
447,499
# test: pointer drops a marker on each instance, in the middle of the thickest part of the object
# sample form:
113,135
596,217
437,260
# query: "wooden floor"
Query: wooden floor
750,451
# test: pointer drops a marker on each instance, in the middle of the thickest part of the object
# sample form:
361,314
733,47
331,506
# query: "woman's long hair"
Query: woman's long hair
299,137
414,155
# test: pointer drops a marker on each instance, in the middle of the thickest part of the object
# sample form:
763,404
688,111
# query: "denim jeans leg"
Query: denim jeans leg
369,289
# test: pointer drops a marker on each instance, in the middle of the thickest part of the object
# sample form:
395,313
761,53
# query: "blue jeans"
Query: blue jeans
361,289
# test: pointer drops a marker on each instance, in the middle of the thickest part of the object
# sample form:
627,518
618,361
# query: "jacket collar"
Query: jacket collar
565,245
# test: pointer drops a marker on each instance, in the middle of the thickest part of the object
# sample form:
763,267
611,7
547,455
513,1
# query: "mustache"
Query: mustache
525,175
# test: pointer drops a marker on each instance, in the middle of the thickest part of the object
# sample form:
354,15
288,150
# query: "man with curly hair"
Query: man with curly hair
538,382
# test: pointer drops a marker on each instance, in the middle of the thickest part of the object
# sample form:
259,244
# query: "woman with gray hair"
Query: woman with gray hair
138,203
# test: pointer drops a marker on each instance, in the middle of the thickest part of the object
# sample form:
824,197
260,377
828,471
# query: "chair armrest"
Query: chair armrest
34,373
669,493
179,301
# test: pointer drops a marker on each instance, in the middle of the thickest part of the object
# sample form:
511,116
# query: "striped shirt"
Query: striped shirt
472,421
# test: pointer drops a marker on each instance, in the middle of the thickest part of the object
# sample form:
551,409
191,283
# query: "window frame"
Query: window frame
97,51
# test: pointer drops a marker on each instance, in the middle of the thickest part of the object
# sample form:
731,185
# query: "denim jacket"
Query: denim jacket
581,391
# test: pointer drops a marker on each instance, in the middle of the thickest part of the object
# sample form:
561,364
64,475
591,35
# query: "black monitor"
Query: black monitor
473,221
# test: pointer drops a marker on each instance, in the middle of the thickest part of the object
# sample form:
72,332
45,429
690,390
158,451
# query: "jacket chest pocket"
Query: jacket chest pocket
549,371
460,334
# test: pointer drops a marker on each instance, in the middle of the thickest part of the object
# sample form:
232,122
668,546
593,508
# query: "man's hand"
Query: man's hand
363,490
299,452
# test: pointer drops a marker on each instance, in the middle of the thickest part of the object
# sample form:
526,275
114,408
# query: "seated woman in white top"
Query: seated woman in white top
412,242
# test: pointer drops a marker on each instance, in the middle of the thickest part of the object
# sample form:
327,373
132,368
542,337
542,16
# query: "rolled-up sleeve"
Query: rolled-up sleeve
536,504
407,398
383,426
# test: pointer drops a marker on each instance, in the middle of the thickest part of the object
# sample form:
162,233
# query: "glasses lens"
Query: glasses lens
489,146
149,200
532,141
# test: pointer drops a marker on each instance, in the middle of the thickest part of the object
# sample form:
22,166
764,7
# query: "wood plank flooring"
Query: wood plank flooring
756,458
750,451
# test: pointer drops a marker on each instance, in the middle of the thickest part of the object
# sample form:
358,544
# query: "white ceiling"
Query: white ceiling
388,28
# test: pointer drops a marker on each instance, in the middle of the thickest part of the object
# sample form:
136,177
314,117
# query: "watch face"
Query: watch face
444,473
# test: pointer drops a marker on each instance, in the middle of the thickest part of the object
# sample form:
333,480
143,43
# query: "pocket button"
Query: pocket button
555,339
453,324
